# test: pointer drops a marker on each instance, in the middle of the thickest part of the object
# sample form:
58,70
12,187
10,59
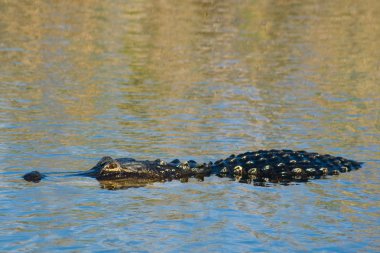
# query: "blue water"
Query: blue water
190,80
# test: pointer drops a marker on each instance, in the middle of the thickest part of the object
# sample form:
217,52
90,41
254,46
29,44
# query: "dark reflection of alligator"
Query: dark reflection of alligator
259,168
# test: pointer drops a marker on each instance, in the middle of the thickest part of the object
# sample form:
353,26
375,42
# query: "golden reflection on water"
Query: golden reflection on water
183,77
206,76
191,77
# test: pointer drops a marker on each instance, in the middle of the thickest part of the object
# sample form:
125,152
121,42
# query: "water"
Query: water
191,80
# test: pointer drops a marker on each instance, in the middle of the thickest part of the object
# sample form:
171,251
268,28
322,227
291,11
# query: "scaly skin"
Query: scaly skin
276,166
128,168
281,166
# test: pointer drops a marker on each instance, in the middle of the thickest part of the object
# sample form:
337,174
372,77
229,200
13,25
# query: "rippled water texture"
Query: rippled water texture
195,80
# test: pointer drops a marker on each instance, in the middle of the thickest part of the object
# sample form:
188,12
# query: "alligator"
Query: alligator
260,167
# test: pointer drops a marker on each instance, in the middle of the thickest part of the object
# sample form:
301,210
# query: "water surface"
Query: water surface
191,80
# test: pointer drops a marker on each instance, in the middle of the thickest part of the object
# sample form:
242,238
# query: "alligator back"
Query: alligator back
281,166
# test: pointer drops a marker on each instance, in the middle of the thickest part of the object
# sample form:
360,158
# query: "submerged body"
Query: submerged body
276,166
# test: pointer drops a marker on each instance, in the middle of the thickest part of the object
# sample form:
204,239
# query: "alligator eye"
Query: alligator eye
335,172
344,169
112,165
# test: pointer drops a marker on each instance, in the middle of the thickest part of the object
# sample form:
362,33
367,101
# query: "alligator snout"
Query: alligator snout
34,176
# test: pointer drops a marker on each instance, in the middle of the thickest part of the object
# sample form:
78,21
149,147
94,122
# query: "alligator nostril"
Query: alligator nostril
33,176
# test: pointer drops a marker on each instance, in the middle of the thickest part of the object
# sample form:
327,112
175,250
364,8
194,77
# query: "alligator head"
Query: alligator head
127,172
124,168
